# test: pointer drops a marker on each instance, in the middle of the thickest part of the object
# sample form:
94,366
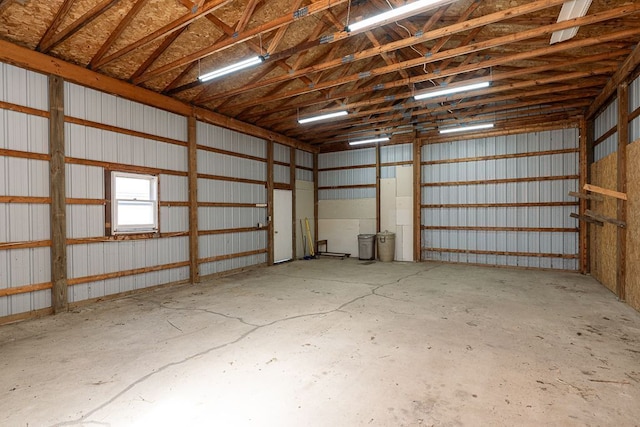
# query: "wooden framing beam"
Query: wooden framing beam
417,198
194,271
605,191
57,189
77,25
292,182
621,205
583,165
57,20
270,188
623,72
31,60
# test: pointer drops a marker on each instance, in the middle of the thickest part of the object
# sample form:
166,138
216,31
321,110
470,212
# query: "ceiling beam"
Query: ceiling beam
627,67
77,25
163,31
122,25
312,9
408,42
57,20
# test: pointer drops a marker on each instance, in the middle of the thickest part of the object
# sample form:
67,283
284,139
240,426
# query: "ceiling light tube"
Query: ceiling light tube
394,14
370,141
322,117
231,68
467,128
451,90
570,10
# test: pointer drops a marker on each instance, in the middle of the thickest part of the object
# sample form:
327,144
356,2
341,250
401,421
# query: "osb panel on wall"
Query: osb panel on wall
633,225
603,239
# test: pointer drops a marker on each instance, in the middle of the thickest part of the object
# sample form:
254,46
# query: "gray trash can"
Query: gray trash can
386,246
366,244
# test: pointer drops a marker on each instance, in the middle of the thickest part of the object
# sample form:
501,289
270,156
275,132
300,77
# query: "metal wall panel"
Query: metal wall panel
603,123
22,87
347,194
89,104
281,153
281,174
24,132
453,216
231,166
304,158
365,156
634,104
229,140
223,191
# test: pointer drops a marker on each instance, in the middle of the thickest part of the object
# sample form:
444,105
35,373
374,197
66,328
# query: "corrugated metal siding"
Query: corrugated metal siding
392,154
603,123
89,104
347,177
304,159
221,191
564,243
23,87
85,221
21,222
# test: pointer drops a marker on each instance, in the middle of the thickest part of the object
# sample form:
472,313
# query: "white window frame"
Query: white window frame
116,228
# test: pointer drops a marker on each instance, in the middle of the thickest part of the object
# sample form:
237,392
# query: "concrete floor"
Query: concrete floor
334,343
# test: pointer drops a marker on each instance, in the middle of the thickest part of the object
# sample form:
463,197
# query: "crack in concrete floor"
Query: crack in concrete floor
255,327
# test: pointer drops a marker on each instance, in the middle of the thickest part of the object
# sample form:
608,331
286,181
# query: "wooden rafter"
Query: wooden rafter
122,25
77,25
312,9
171,38
57,20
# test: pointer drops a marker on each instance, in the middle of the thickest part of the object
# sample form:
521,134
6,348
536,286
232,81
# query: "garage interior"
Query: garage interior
166,232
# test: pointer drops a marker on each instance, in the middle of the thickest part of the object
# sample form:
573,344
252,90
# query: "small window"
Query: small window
134,203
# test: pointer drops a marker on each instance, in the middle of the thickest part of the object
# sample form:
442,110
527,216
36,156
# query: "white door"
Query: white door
282,225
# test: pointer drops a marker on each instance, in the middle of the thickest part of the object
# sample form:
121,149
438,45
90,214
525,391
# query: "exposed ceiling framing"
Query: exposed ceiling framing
313,65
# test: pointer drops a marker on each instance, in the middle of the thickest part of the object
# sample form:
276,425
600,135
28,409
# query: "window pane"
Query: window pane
133,188
135,213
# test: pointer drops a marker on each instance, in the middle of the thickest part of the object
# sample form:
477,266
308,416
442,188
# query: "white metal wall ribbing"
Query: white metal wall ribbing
603,123
221,191
456,216
83,181
634,104
24,222
392,154
304,159
345,177
281,173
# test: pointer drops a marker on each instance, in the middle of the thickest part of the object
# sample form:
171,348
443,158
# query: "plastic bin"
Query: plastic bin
386,246
366,245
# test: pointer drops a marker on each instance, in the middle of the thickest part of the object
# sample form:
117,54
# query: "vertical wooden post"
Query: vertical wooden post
292,182
623,140
194,271
315,196
57,192
378,189
583,225
270,202
417,198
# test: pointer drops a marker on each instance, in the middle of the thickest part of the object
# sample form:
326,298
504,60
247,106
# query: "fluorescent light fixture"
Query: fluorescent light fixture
322,117
370,141
451,90
231,68
570,10
395,14
467,128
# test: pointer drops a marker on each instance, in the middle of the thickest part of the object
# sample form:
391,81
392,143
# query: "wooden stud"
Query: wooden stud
584,205
271,234
315,195
585,196
590,134
503,253
125,273
194,272
605,191
586,219
378,201
417,199
604,218
57,189
621,211
292,181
